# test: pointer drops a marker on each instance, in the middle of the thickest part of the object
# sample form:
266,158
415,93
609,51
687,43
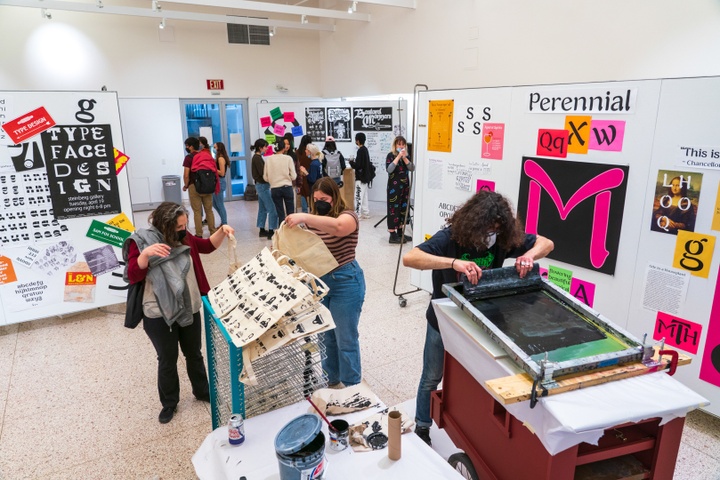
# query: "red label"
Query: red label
552,143
215,85
28,125
79,278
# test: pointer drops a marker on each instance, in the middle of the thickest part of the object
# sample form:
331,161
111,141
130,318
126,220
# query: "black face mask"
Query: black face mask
187,149
322,207
180,235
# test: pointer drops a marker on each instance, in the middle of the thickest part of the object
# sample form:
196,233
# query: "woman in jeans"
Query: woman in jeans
338,227
266,207
280,173
223,161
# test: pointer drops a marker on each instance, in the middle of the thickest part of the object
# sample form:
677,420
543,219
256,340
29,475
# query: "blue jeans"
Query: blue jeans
266,207
432,373
345,300
304,204
219,202
284,200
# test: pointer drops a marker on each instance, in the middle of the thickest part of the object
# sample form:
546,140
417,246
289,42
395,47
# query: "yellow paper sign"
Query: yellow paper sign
578,127
122,221
693,252
7,271
440,125
716,215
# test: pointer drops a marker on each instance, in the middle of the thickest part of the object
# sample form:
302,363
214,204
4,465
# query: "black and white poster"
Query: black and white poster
338,123
372,119
81,170
315,123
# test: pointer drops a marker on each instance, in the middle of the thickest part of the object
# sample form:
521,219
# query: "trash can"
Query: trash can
172,192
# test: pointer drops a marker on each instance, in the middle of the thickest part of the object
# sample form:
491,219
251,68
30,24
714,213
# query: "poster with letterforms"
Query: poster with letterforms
372,119
315,123
338,124
577,205
81,170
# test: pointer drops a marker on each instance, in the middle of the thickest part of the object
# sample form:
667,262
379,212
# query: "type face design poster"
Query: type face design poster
676,201
81,170
372,119
577,205
338,124
315,123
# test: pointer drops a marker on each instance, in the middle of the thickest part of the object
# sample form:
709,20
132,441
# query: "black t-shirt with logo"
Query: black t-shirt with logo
442,245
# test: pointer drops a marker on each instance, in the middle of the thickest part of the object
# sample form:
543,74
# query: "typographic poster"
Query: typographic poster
693,252
372,119
81,170
678,332
440,123
676,201
578,205
315,123
580,289
710,366
101,260
338,124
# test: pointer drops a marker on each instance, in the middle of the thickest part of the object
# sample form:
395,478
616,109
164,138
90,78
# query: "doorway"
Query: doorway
222,121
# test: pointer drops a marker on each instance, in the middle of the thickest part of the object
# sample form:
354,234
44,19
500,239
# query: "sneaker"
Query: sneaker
270,233
263,233
166,414
394,238
365,217
204,221
407,238
424,434
336,386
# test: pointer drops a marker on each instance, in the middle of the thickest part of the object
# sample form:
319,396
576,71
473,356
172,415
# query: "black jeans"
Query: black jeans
165,340
284,200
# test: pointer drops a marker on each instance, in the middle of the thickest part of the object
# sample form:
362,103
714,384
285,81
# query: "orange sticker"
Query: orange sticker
7,271
120,160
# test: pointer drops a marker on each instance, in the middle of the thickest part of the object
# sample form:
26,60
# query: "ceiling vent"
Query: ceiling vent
248,34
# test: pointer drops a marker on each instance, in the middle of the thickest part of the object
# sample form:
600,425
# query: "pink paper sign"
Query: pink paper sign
710,366
279,130
607,135
269,150
493,135
289,117
485,185
583,291
678,332
552,143
265,122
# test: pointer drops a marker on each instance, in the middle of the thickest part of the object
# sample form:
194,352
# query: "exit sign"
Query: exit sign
215,85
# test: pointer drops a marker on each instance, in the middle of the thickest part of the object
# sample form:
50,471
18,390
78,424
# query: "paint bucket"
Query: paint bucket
300,449
339,436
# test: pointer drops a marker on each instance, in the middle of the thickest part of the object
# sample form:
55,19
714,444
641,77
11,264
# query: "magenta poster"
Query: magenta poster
710,366
485,185
493,135
578,205
678,332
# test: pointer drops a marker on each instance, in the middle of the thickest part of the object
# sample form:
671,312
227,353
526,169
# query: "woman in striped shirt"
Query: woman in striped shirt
338,227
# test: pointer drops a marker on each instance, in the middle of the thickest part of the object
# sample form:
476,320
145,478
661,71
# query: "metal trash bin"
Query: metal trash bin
172,191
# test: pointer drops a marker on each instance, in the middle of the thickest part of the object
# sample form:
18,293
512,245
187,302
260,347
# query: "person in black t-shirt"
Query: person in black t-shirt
480,235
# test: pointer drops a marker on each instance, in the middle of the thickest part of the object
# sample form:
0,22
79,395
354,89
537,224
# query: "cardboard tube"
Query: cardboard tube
394,443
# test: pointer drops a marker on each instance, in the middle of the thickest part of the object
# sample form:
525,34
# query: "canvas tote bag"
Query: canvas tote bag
305,248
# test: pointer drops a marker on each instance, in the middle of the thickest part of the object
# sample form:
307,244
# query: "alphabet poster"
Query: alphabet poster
338,124
315,123
676,201
372,119
578,205
56,186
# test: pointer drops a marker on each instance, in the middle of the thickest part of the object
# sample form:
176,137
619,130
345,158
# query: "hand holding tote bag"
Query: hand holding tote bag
305,248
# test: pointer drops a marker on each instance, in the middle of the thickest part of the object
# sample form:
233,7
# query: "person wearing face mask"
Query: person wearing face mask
338,227
168,260
315,170
398,165
481,234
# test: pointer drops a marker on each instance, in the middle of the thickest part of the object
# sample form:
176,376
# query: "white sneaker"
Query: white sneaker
364,217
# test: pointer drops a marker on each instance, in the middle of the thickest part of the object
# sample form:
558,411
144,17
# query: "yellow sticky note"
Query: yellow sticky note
693,252
122,221
716,215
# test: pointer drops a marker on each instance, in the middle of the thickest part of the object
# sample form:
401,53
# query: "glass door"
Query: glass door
222,121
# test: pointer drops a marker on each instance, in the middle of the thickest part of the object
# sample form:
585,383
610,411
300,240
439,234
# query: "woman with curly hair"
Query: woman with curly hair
480,235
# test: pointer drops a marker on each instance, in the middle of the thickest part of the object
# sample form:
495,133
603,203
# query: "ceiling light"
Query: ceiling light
303,19
353,8
45,14
162,24
156,6
272,32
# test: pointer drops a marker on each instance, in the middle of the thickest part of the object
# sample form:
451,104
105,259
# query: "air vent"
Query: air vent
248,34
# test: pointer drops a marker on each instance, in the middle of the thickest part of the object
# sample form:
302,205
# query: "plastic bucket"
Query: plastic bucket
300,449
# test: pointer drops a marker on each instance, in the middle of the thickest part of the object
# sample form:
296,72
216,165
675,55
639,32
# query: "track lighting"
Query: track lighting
156,6
272,32
99,4
162,24
352,8
45,14
303,19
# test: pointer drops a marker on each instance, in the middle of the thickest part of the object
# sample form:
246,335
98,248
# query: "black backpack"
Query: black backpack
370,173
205,181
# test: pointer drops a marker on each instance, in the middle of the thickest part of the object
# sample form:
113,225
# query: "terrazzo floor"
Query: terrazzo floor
78,398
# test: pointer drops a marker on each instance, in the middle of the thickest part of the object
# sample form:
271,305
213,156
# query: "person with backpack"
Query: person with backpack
333,163
200,178
398,165
364,174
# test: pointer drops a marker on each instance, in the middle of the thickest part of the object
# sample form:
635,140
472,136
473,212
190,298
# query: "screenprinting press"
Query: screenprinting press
538,385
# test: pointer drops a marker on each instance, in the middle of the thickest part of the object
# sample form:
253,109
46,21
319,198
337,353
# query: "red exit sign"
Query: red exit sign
215,85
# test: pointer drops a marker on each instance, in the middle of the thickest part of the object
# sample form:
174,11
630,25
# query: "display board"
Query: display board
65,203
622,176
381,121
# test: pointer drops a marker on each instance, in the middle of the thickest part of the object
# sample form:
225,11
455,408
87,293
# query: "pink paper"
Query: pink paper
485,185
583,291
265,122
493,135
607,135
269,150
289,117
678,332
279,130
710,366
552,143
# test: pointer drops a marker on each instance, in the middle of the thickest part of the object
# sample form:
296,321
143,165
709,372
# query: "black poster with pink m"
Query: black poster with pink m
577,205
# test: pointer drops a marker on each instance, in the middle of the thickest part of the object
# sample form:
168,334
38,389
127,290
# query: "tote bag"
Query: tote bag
305,248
